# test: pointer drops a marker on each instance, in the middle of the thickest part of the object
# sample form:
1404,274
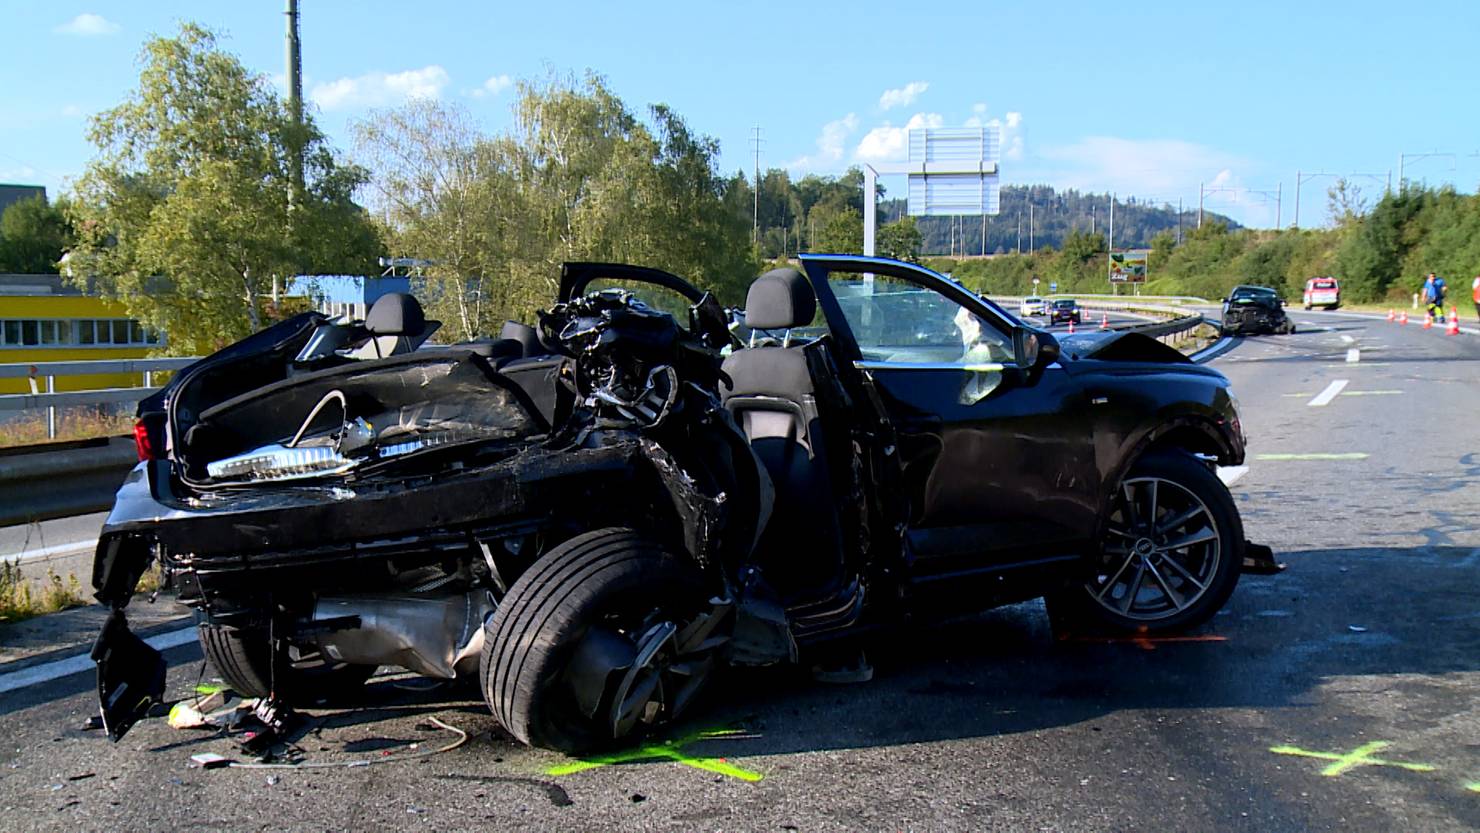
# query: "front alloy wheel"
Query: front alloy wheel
1170,554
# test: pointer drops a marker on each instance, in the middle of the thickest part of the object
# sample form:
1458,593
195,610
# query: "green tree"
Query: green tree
899,240
188,213
839,230
579,177
1161,250
33,236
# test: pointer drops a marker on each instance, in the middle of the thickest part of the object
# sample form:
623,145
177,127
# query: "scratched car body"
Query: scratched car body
590,515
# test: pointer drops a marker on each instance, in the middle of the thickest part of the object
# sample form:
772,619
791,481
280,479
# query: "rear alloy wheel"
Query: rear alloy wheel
1170,556
243,658
604,637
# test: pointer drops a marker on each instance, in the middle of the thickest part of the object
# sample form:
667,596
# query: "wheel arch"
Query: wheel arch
1199,435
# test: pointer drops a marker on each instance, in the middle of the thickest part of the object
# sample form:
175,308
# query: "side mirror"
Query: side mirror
1035,348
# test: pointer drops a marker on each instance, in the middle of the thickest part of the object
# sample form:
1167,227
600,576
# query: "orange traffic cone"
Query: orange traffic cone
1391,315
1453,328
1403,317
1104,321
1071,326
1428,320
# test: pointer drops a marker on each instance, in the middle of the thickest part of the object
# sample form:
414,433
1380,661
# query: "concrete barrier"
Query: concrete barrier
40,484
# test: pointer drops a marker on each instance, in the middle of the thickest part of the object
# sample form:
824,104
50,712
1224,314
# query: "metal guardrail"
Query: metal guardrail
43,376
60,484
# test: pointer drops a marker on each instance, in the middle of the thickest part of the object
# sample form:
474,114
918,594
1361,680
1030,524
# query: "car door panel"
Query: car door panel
996,463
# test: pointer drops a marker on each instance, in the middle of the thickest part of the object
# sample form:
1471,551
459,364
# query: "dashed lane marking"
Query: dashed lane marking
1342,455
1348,393
1324,398
1353,356
1348,339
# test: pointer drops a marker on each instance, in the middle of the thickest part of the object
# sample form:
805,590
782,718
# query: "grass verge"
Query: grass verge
20,598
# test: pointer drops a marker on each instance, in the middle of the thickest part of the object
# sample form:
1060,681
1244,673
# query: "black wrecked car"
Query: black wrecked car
591,513
1250,310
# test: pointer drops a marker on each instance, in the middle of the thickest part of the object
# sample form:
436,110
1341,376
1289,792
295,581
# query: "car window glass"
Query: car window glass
893,320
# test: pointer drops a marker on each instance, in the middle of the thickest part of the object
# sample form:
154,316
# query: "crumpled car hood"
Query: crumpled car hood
1119,347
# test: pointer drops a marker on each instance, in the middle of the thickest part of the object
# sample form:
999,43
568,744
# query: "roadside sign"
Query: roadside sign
1129,266
954,171
1053,287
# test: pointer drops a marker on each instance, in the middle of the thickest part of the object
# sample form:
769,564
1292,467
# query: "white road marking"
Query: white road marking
56,670
1348,339
1230,474
1324,397
47,552
1353,356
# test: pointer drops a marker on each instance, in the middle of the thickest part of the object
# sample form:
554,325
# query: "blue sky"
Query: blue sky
1147,99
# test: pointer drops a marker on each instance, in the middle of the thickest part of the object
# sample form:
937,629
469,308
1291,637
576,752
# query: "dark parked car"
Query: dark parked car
589,515
1063,309
1253,310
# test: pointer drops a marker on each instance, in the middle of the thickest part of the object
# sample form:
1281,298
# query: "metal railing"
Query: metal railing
43,376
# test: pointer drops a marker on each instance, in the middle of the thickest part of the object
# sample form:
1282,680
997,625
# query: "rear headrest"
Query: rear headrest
780,299
395,314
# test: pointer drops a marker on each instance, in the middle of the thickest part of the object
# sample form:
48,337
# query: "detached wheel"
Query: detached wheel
242,656
1170,556
604,637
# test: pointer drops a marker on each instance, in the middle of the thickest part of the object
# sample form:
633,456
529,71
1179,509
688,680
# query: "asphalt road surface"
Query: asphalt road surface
1340,695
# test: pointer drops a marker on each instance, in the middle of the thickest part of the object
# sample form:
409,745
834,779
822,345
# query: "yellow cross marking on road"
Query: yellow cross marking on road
670,750
1473,787
1361,756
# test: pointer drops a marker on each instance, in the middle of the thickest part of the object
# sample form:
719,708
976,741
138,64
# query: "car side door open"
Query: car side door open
995,452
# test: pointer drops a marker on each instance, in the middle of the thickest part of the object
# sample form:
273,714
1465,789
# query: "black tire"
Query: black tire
613,588
1193,581
243,659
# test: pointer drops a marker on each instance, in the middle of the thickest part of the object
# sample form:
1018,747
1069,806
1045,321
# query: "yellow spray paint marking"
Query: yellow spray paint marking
671,750
1361,756
1473,787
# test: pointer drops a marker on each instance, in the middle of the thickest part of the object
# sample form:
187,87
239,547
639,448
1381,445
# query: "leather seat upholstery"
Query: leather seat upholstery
773,399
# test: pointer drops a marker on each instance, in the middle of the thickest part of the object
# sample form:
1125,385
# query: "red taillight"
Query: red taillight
141,441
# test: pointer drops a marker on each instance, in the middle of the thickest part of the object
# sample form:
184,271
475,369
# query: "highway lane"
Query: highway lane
1339,695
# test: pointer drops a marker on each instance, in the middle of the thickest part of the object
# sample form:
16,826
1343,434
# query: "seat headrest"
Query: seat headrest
778,300
395,314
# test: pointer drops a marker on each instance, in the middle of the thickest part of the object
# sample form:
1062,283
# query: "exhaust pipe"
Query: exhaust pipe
437,636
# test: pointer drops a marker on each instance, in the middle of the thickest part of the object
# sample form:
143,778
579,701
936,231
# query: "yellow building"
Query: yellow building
44,320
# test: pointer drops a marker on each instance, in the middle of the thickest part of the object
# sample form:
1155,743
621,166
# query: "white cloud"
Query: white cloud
902,97
891,143
376,89
493,86
87,25
71,111
830,143
1145,166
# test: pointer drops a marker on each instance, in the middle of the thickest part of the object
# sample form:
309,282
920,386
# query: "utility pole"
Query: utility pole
295,101
755,216
1030,222
1199,204
1279,195
1020,232
1179,221
1110,247
984,235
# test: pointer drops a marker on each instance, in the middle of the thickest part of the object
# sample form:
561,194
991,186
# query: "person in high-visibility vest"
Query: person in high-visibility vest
1475,293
